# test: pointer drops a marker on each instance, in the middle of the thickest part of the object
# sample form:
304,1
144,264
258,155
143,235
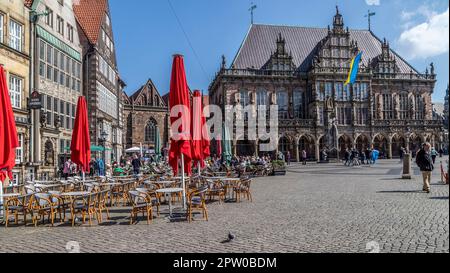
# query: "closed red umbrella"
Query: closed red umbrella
200,143
179,97
81,141
8,131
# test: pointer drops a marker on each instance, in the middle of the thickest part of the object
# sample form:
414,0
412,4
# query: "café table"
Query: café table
169,192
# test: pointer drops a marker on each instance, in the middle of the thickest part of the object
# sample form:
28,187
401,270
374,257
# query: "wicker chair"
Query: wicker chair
140,204
20,205
216,189
45,205
243,188
86,205
196,201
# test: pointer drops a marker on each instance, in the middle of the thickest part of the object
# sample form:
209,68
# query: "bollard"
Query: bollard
407,167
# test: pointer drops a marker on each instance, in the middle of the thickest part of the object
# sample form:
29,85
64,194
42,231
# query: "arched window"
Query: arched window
244,97
261,97
420,107
150,131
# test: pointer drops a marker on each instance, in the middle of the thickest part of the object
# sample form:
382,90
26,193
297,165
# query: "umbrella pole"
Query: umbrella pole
183,181
199,170
2,211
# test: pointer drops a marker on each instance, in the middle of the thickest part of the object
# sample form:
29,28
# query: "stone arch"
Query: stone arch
345,142
284,144
381,143
415,142
308,143
362,142
398,142
49,152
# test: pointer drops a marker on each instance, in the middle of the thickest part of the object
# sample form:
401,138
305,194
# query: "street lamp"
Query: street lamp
103,138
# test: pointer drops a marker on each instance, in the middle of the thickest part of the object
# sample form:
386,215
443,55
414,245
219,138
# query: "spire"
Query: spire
338,21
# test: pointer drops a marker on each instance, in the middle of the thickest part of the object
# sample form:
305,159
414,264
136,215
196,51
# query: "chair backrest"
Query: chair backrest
42,199
137,197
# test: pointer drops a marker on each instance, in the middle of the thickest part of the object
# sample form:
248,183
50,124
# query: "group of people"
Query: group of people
352,157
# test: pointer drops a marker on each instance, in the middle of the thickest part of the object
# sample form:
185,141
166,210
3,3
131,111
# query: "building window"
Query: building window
361,115
328,90
49,17
388,110
60,25
19,150
15,91
15,35
420,108
1,28
404,106
282,102
150,131
320,91
244,98
107,101
298,103
70,32
342,94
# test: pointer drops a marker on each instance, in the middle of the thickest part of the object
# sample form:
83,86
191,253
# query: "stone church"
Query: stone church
145,111
303,71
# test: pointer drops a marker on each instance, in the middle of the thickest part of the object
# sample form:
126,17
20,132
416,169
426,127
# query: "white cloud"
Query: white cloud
373,2
427,39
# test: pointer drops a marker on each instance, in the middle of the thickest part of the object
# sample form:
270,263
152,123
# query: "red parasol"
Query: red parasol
81,141
8,131
200,143
180,100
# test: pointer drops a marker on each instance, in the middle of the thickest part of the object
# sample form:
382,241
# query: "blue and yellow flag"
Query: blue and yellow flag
354,68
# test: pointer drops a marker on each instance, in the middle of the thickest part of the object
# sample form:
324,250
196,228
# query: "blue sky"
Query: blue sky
147,33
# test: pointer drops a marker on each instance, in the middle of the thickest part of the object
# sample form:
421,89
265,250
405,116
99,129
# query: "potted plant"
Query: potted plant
279,167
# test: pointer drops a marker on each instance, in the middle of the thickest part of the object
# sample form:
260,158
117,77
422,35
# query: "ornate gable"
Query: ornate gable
280,60
148,95
337,49
385,63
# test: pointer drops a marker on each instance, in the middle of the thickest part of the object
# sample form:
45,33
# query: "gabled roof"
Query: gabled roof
260,42
90,15
148,86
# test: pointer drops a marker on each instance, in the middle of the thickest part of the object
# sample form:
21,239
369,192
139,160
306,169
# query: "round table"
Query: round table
169,191
75,194
163,183
11,195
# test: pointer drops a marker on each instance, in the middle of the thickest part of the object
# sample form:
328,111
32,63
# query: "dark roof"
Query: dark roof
149,84
260,42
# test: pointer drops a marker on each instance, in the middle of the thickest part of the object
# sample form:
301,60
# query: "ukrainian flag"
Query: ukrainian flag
354,68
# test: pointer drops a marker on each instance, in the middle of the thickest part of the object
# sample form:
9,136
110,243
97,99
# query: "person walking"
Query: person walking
288,158
434,155
66,169
347,156
304,157
425,163
368,153
136,163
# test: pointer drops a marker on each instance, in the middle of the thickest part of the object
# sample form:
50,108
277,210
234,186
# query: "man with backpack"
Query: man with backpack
425,163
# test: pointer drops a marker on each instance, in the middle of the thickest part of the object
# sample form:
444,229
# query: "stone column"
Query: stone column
389,151
318,152
407,144
297,152
407,166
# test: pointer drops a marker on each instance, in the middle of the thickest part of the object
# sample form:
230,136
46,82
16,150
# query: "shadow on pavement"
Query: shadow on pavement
439,198
400,192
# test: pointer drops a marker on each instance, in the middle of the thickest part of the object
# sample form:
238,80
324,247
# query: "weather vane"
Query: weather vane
368,16
251,9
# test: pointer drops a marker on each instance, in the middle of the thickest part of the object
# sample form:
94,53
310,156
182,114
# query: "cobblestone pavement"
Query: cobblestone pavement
317,208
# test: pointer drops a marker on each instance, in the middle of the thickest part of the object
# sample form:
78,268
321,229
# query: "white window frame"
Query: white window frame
15,90
19,150
15,35
2,20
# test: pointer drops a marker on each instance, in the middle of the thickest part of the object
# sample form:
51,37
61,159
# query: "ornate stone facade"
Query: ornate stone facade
144,111
389,106
15,58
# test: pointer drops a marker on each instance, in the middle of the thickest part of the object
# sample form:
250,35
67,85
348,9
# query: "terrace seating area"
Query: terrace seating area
78,202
